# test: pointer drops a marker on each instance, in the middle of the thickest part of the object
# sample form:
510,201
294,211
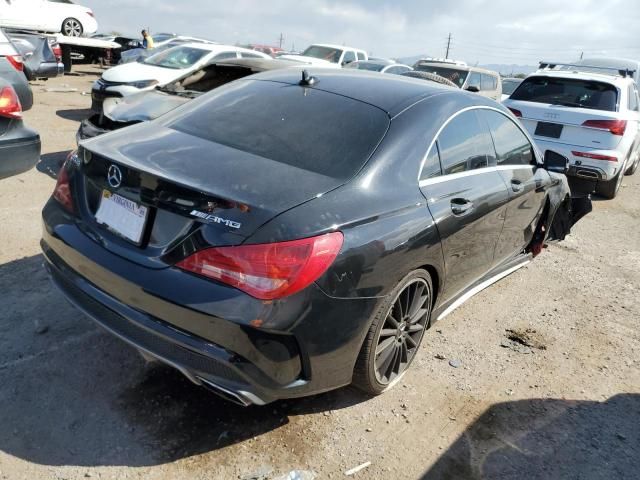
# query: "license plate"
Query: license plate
551,130
121,215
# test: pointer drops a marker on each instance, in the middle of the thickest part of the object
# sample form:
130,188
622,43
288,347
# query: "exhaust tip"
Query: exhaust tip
225,393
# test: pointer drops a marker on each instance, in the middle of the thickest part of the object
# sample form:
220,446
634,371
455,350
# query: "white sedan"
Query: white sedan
162,68
55,16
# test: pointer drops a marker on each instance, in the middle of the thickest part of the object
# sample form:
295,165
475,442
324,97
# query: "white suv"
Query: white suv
591,118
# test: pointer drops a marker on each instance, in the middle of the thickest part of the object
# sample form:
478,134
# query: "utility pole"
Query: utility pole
581,55
448,46
281,40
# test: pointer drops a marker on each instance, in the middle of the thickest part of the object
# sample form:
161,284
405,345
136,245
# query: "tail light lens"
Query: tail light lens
10,103
268,271
516,112
16,62
57,52
616,127
595,156
62,192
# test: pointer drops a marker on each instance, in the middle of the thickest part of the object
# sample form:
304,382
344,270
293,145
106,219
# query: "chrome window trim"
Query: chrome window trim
469,173
460,112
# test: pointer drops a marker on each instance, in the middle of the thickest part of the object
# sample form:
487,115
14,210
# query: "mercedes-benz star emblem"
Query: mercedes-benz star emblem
114,176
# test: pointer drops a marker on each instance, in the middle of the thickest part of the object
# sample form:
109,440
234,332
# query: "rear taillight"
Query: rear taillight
268,271
57,52
516,112
10,103
16,62
62,192
595,156
616,127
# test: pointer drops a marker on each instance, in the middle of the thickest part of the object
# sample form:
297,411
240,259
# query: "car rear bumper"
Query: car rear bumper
585,168
207,335
19,151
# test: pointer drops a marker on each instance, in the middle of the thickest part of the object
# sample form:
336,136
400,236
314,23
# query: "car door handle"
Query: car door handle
461,206
517,186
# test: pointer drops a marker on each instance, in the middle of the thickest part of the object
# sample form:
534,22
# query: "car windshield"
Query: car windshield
324,53
176,58
569,92
509,86
373,67
453,74
306,128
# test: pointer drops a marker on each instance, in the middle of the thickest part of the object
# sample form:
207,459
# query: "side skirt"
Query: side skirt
488,280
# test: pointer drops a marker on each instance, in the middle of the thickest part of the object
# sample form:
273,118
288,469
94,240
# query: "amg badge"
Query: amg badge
215,219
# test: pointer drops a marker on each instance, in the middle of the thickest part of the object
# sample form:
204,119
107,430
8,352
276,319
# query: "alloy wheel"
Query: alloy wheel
402,331
72,28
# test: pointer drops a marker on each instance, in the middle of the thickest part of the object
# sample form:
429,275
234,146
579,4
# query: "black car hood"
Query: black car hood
141,107
266,187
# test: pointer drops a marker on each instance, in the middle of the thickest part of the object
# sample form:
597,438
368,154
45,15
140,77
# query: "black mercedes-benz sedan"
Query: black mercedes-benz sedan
289,234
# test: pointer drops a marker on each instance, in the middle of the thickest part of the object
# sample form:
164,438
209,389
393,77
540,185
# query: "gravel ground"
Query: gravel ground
536,377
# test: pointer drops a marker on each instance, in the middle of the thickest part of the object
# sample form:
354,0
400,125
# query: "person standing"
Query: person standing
147,40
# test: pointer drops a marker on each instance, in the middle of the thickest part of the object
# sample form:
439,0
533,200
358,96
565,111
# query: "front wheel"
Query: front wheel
71,28
395,334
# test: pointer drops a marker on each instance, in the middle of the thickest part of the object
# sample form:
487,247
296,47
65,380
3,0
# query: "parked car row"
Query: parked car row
19,145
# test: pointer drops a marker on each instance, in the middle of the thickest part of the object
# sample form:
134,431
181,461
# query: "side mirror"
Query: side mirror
347,62
473,88
554,162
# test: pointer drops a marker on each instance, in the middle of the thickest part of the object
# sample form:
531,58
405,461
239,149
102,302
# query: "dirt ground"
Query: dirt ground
76,403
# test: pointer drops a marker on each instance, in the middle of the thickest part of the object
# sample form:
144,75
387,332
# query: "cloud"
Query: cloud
497,31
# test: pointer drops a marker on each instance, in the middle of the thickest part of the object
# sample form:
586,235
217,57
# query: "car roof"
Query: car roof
610,62
391,93
338,47
454,66
216,47
578,75
381,62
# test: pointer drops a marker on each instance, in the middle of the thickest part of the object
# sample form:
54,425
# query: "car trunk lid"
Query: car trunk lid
185,193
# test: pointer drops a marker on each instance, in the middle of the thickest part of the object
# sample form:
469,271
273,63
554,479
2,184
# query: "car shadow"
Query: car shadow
72,394
547,438
50,163
75,114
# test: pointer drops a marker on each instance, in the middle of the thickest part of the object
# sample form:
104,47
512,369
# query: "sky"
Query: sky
482,31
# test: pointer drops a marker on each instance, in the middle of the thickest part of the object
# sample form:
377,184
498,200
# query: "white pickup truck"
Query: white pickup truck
331,56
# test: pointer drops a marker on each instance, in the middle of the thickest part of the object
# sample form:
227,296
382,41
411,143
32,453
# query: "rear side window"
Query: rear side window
397,70
512,146
361,56
304,127
475,80
349,57
569,92
225,55
489,82
465,144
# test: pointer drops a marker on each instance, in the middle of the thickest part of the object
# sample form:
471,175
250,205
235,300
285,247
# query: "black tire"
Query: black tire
71,27
430,76
401,346
632,169
610,188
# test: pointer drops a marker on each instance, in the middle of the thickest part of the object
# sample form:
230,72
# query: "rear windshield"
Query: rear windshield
456,76
307,128
374,67
569,92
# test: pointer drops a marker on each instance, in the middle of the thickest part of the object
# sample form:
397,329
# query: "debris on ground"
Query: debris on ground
522,341
455,363
298,475
261,473
355,470
61,90
439,356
